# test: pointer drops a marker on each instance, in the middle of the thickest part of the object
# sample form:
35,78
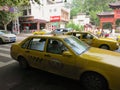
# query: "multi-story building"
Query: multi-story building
81,19
48,15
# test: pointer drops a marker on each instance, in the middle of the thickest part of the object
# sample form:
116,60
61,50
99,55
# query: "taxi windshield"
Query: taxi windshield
76,45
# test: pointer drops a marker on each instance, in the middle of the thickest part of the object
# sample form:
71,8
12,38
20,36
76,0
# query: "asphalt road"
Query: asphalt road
14,78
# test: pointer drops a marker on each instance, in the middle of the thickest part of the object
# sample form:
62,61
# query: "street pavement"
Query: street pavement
22,36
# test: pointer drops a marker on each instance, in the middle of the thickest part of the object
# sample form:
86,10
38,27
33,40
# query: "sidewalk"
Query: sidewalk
24,34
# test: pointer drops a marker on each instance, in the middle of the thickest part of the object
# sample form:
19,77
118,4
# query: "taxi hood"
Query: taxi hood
102,56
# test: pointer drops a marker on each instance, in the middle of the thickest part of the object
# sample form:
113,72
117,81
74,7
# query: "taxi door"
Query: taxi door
59,64
87,38
35,53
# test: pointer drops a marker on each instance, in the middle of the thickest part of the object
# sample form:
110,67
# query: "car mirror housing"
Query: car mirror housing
67,53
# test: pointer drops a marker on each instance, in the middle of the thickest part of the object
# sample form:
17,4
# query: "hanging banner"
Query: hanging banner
54,18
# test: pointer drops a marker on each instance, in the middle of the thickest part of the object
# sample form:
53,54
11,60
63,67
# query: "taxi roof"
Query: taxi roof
50,36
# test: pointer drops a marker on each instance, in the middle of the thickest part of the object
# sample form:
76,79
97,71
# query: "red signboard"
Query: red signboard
117,13
107,19
54,18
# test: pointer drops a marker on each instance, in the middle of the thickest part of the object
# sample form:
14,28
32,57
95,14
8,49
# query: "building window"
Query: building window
50,10
29,11
24,12
55,10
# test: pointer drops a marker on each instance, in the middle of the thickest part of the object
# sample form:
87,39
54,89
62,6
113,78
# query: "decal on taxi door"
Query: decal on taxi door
35,59
55,63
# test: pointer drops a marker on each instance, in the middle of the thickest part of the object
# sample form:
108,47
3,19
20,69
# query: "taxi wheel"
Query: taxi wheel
93,81
1,41
23,63
105,47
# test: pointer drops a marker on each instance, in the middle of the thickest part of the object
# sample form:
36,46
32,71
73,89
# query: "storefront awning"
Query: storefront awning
31,19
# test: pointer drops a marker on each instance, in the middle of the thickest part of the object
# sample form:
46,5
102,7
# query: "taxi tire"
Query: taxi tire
23,63
1,41
93,81
104,47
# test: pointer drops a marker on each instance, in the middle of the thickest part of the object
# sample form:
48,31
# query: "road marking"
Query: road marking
4,64
5,55
5,45
4,49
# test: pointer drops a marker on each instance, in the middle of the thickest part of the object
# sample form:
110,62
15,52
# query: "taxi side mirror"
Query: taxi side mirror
66,53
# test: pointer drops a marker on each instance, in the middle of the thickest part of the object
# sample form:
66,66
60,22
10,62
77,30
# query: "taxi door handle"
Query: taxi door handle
27,51
47,55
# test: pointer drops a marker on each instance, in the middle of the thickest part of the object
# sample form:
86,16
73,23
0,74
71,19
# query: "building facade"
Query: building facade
49,15
81,19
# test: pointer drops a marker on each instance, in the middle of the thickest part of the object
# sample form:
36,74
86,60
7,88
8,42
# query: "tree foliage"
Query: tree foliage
91,8
74,26
17,2
6,16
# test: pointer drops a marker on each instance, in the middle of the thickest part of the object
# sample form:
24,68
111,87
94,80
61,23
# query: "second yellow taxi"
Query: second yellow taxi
93,40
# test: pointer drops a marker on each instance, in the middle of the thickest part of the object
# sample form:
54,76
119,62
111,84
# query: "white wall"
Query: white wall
81,19
47,10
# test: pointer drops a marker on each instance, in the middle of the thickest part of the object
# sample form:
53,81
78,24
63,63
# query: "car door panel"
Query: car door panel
61,65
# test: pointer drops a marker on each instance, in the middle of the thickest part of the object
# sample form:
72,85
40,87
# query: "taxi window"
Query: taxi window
87,36
77,35
37,44
55,46
84,36
25,44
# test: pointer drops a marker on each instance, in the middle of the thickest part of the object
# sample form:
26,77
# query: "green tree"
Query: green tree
91,8
74,26
6,16
77,7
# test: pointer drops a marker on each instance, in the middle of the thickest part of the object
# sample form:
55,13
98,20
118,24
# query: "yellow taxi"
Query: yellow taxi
66,55
118,39
41,32
93,40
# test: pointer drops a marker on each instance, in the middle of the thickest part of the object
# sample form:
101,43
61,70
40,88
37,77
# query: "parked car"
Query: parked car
93,40
61,30
66,55
6,37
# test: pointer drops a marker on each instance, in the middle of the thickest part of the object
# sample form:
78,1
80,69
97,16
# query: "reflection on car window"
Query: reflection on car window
25,45
37,44
76,45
